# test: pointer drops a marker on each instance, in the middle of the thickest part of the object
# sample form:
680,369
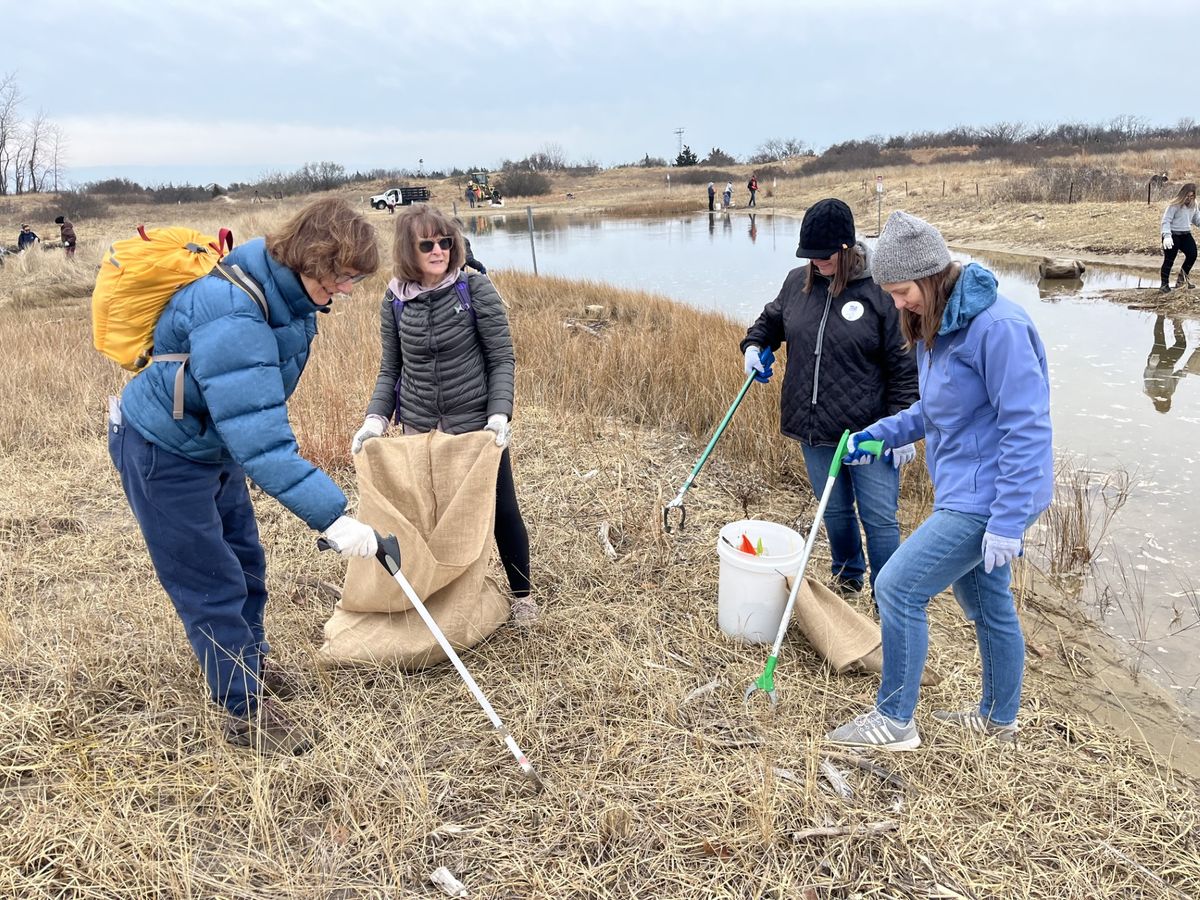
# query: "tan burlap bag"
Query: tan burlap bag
437,494
840,634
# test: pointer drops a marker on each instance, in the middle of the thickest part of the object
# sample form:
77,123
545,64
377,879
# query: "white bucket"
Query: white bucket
752,590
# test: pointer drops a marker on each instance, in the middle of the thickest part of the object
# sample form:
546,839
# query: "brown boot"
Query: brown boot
277,682
269,730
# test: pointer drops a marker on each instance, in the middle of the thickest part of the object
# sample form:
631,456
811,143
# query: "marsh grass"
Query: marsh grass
114,782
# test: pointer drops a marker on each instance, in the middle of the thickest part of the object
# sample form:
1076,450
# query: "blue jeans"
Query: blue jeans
876,489
946,550
199,527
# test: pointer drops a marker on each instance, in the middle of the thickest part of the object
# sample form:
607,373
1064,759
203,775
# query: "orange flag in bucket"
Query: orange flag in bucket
746,546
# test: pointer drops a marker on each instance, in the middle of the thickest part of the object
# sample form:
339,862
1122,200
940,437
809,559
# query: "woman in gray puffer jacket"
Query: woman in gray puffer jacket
448,362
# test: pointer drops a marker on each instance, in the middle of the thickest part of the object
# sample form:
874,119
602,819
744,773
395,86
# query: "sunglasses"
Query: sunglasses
347,279
427,246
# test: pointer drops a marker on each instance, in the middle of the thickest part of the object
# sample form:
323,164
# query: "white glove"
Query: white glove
351,537
372,427
999,551
499,424
1168,242
902,456
752,361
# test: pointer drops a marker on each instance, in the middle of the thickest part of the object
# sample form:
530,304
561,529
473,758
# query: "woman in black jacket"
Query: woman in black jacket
448,363
846,364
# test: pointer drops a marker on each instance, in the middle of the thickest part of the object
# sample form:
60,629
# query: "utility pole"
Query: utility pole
679,134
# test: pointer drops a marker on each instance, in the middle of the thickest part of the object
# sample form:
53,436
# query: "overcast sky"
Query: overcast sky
199,92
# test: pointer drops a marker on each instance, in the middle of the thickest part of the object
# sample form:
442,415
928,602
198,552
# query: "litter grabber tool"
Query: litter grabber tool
388,555
767,357
766,681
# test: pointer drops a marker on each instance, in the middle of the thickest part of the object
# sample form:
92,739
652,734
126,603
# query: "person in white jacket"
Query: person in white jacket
1177,221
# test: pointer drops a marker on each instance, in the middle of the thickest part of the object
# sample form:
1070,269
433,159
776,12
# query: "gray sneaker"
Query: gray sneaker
974,720
875,730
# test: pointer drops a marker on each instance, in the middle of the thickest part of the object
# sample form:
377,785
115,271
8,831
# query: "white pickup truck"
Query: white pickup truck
402,196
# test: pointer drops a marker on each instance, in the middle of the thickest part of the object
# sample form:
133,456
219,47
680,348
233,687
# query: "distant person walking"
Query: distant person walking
727,197
712,196
67,232
26,239
752,186
1177,221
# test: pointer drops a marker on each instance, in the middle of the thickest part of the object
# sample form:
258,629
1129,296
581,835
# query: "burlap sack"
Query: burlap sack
437,494
840,634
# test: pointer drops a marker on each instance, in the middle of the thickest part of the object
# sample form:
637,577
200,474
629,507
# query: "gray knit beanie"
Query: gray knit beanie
908,248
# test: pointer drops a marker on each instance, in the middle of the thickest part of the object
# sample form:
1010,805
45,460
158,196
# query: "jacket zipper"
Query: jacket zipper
820,342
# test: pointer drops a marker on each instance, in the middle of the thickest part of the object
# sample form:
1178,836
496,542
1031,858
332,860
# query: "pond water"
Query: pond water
1125,389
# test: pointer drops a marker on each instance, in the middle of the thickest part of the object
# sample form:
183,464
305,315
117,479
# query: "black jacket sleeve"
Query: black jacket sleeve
900,366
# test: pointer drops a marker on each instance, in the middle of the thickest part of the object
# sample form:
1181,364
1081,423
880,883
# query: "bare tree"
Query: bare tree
776,149
10,101
57,156
35,135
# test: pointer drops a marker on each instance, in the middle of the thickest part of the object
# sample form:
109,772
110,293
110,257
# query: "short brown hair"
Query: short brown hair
420,222
325,238
936,290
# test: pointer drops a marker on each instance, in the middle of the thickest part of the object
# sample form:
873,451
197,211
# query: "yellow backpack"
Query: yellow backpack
139,276
137,279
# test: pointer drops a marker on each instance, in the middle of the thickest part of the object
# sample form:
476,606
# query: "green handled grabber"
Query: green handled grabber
767,357
766,681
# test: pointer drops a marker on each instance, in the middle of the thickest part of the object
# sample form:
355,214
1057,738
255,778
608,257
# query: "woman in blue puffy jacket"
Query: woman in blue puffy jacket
211,410
984,414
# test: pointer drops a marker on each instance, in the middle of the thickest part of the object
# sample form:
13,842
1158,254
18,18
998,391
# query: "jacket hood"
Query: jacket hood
974,292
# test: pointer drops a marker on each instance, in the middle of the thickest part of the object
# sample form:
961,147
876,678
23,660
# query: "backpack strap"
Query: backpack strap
464,297
235,276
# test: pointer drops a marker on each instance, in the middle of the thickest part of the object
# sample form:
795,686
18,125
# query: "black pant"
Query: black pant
711,199
512,539
1184,241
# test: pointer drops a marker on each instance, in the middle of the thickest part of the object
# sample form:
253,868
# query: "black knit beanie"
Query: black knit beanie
828,227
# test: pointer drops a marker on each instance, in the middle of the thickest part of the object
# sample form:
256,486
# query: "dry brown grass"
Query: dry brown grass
114,782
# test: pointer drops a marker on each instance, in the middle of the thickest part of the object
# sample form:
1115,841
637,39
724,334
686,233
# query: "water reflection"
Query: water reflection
1161,377
753,229
1054,289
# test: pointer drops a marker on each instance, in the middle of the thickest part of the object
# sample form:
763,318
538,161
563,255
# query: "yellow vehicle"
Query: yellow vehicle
481,190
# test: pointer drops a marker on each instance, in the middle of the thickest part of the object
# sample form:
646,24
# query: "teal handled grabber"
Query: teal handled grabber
767,357
766,681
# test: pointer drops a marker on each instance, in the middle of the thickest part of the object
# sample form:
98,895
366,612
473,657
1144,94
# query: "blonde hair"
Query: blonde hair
1181,197
325,238
421,222
936,290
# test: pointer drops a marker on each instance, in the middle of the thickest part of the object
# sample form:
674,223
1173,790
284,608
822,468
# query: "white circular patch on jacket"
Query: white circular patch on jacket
852,311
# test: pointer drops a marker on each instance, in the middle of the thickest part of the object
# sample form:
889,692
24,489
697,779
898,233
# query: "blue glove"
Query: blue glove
999,551
758,362
855,456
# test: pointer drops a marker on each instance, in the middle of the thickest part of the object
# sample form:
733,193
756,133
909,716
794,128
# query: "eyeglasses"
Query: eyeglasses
427,246
347,279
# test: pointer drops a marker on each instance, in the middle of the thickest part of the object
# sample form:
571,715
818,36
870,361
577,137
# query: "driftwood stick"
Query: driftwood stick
1134,864
865,830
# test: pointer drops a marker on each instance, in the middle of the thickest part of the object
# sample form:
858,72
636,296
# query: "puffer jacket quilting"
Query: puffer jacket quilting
239,376
846,362
454,369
